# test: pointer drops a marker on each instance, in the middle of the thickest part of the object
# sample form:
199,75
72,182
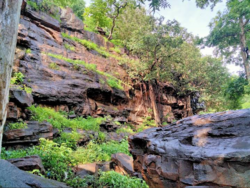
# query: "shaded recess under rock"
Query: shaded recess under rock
205,150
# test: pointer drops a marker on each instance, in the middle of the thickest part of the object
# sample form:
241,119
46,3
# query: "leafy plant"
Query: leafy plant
28,51
60,121
113,179
94,152
114,83
70,139
27,89
54,66
69,47
17,78
17,125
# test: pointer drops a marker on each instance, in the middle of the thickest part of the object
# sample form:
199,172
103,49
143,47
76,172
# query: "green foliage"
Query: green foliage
96,16
54,66
70,139
17,78
113,179
117,50
27,89
17,125
69,47
59,121
33,5
234,92
28,51
94,152
75,62
88,44
148,122
230,33
114,83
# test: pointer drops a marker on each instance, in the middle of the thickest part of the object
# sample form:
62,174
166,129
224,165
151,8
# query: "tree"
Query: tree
230,33
9,20
154,44
115,8
96,15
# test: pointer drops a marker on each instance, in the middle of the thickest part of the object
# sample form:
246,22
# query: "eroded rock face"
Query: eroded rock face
205,150
29,135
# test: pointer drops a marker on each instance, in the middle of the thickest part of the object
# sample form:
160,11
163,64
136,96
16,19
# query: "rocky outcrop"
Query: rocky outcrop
71,87
9,20
205,150
122,164
28,163
14,177
28,136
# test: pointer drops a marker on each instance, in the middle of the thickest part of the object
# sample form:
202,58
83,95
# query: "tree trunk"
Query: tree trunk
9,20
154,104
112,29
243,46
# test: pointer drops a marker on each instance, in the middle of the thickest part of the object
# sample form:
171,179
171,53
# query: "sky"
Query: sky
194,19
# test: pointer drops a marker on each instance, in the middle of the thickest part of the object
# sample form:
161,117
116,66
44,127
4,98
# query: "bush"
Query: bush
69,47
60,121
88,44
114,83
75,62
94,152
17,78
54,66
17,125
113,179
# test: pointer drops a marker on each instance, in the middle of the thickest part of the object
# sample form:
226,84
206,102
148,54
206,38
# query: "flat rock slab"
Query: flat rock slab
12,177
28,163
202,150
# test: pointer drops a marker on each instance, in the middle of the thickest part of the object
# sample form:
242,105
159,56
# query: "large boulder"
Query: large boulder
29,135
13,177
202,150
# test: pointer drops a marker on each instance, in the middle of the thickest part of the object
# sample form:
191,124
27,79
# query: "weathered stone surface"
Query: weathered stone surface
9,19
30,135
70,21
122,164
28,163
90,168
14,177
21,98
205,150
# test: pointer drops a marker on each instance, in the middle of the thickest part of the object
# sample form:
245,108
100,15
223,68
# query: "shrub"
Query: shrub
70,139
28,51
17,125
27,89
88,44
60,121
33,5
94,152
113,179
54,66
76,62
69,47
17,78
114,83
